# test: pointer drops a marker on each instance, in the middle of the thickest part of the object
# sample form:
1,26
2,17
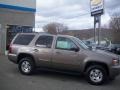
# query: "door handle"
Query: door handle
58,52
36,50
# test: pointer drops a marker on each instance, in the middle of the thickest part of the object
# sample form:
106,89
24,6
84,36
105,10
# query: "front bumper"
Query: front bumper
114,71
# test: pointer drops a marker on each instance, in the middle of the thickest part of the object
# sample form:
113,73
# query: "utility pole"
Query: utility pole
97,9
94,30
99,30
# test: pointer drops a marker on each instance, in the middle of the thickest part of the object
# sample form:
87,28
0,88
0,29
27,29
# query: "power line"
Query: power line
79,15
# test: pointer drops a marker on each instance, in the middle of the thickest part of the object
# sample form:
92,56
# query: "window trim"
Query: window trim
64,49
47,36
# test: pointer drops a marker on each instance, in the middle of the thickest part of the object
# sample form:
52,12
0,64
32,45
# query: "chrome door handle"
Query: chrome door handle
58,52
36,50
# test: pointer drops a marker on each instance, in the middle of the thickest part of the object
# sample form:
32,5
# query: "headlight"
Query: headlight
115,62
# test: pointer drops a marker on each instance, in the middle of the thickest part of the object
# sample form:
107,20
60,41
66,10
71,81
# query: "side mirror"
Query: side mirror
41,46
90,47
75,49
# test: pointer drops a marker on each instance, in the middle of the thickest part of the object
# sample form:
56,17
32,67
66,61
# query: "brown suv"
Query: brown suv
64,53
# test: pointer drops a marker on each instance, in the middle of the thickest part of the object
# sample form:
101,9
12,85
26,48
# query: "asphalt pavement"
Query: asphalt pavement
11,79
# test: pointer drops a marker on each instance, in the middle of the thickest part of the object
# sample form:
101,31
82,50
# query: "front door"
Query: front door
65,57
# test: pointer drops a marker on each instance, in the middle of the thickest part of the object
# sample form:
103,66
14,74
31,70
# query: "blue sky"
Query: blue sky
73,13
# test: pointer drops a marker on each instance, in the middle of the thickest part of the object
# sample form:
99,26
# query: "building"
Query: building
15,16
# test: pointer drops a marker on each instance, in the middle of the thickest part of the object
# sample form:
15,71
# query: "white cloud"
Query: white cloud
105,19
73,13
49,4
39,30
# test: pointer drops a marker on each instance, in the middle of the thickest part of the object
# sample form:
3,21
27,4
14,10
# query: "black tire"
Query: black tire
91,78
30,64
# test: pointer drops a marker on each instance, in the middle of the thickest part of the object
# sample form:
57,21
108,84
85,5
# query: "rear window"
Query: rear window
23,39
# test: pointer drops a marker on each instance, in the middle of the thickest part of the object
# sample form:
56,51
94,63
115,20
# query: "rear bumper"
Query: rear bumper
12,58
114,71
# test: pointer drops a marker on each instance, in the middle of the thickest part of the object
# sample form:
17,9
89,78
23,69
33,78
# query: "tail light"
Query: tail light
10,48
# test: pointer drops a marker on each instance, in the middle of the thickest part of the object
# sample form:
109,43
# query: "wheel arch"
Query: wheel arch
90,63
23,55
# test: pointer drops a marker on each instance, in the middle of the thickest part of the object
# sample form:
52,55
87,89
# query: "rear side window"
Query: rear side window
45,40
23,39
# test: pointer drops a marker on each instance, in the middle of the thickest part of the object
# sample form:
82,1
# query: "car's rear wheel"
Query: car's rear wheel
26,66
96,75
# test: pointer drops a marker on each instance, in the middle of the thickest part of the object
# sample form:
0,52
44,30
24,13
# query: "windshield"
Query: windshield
81,43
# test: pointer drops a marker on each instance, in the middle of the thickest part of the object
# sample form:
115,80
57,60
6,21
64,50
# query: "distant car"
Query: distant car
102,47
93,45
114,48
64,53
90,44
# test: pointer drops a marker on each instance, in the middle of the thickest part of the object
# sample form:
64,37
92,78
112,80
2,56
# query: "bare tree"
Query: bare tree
55,28
115,26
115,22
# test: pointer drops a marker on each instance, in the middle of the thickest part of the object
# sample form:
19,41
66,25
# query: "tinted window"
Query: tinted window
65,44
45,40
23,39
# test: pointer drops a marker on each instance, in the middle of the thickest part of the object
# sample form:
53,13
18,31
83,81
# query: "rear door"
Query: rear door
43,50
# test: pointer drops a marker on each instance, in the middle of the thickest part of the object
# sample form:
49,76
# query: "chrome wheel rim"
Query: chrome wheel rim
96,75
26,67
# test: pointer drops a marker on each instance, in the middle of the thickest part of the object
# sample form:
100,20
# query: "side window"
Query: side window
45,40
23,39
65,44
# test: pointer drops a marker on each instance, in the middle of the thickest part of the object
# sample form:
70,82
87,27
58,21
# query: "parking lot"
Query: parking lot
11,79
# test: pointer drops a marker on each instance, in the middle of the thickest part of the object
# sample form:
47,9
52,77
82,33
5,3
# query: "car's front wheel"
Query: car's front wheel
26,66
96,75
